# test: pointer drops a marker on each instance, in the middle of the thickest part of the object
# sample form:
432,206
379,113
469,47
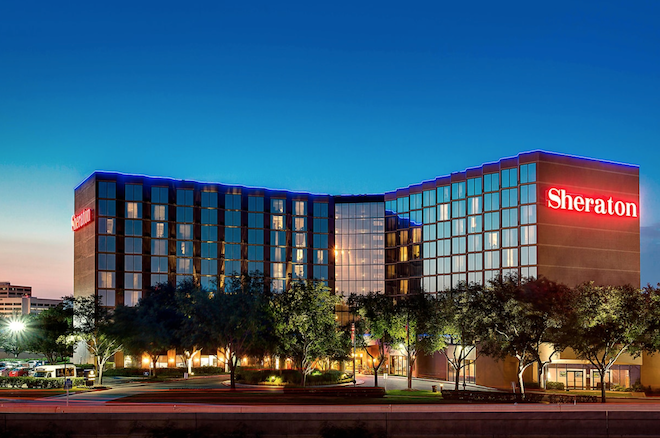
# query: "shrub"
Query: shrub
555,385
289,377
37,383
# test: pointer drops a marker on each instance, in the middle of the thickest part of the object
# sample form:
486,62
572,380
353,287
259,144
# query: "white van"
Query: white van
55,371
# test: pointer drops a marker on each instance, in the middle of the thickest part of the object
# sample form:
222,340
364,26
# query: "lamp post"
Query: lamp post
16,328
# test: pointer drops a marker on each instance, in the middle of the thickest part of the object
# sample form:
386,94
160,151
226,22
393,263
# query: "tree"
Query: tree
92,323
418,327
305,323
375,312
606,321
239,318
519,317
191,334
148,328
15,333
461,312
52,332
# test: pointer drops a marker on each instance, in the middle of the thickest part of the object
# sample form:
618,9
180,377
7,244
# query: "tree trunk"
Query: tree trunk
540,376
520,381
458,377
189,360
376,368
154,360
411,363
602,385
99,374
232,373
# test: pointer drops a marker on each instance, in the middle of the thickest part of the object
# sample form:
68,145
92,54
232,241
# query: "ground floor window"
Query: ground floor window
467,374
578,376
398,365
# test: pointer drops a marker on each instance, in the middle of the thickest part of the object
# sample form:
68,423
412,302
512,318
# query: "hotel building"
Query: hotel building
566,218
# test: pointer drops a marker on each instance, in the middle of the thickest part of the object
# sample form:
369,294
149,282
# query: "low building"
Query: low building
18,300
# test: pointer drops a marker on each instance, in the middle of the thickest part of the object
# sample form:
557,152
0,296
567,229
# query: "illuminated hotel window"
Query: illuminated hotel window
277,206
158,212
509,257
132,297
133,210
277,222
528,214
106,280
106,226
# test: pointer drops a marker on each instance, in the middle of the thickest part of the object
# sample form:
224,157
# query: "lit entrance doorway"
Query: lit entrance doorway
574,379
398,365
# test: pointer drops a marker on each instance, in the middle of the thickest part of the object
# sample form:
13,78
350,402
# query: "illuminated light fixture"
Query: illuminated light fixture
16,326
558,199
81,219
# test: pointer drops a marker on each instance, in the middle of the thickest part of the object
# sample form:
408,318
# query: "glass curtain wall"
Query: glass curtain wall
359,247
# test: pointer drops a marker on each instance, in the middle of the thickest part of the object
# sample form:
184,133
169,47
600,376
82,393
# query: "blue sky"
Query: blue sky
333,98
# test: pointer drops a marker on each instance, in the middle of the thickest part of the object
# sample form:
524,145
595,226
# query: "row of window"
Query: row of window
209,199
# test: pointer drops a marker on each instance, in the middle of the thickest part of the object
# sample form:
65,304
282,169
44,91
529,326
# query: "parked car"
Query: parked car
18,372
4,371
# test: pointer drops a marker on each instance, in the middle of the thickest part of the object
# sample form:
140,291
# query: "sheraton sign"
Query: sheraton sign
558,199
81,219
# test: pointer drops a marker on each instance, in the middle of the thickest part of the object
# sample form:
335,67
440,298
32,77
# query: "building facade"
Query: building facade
18,300
566,218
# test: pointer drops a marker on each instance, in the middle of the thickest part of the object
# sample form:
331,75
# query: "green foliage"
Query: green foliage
239,319
519,316
374,313
290,377
52,332
606,321
305,325
148,327
38,383
462,313
417,327
92,324
558,386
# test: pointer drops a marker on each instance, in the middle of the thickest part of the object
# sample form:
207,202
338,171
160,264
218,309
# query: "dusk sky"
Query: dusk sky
339,97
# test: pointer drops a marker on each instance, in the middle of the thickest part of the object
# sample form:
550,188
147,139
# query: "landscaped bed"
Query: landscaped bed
268,397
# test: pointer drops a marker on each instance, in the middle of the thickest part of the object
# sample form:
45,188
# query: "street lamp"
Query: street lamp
16,326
